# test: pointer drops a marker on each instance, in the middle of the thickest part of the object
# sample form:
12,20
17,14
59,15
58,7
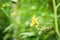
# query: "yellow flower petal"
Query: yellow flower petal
34,22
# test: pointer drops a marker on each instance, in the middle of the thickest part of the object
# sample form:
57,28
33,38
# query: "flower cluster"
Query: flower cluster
34,22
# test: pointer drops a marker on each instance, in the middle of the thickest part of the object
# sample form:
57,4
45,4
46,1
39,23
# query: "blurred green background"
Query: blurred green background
43,10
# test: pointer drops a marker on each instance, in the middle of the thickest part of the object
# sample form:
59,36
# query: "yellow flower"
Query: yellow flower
34,22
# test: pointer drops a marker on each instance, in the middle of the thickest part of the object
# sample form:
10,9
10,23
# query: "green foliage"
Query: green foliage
16,21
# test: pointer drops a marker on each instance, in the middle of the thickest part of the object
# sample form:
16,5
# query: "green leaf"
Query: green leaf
6,13
8,28
49,35
27,34
6,36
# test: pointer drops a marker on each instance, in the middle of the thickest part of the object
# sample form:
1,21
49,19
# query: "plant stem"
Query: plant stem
15,17
55,17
